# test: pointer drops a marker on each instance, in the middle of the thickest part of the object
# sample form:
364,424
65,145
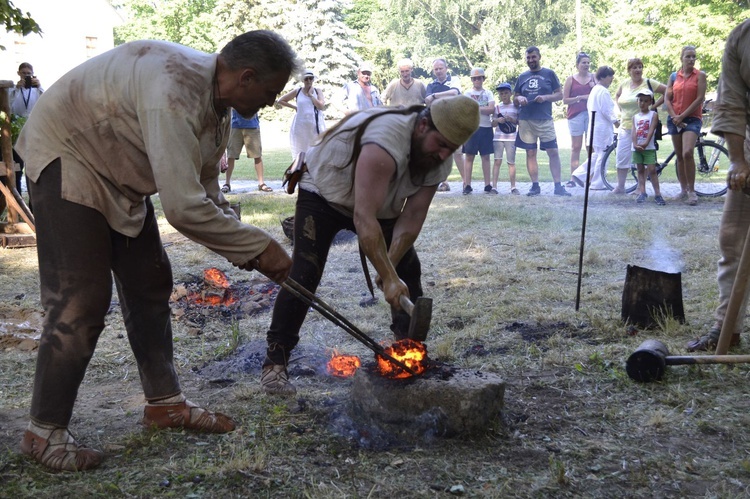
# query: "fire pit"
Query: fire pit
215,296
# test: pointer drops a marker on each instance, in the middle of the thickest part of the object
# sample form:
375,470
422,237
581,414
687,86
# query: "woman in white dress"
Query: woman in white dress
308,121
600,101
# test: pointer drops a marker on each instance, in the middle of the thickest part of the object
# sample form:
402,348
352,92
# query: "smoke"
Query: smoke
662,257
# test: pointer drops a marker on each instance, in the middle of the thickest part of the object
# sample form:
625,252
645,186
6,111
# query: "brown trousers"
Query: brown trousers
78,254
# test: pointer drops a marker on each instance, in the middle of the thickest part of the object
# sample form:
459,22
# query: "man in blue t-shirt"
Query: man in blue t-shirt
536,90
444,86
245,132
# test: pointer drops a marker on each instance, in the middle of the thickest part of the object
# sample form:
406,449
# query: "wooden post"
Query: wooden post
6,146
12,234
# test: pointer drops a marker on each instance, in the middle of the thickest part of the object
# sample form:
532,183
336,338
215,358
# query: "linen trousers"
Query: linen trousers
78,254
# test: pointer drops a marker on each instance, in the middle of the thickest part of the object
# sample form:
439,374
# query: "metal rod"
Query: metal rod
312,300
585,210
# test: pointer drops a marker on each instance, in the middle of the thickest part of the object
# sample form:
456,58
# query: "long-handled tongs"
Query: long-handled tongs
312,300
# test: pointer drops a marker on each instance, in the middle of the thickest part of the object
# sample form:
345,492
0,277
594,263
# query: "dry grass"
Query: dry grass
502,273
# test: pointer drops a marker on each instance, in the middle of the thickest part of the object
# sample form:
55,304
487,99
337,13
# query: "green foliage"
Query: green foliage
16,21
333,36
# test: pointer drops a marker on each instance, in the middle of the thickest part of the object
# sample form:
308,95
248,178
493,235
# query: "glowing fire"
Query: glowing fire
410,352
215,278
219,294
343,366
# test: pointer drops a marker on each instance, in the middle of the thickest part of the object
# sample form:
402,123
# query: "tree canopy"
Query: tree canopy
16,21
333,36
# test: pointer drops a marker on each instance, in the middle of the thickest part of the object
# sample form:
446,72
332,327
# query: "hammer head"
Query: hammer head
648,363
421,317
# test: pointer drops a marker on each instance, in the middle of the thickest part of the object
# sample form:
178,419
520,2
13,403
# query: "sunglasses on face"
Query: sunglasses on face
309,78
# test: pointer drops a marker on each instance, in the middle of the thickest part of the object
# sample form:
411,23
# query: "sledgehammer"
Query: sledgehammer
421,315
649,362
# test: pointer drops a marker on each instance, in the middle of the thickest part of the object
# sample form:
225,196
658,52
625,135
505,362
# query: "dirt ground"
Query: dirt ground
572,423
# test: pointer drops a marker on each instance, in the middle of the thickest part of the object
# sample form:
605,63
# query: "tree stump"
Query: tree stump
650,293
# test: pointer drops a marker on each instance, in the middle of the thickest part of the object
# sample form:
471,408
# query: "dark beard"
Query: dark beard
420,163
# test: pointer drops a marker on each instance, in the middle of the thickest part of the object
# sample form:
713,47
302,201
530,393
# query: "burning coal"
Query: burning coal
410,352
343,366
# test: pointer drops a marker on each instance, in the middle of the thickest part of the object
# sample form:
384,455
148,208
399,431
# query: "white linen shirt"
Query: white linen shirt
137,120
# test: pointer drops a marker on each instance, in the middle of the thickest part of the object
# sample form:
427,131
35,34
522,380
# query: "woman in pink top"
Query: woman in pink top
685,93
575,94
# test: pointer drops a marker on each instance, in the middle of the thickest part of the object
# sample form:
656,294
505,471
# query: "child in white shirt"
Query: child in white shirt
644,149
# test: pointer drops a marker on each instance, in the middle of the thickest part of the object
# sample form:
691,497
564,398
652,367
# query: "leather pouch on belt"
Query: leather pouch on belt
293,173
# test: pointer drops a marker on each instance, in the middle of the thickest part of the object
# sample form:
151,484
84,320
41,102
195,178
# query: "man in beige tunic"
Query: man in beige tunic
144,118
404,91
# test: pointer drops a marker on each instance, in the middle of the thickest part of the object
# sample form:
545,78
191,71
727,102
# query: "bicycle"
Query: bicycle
711,166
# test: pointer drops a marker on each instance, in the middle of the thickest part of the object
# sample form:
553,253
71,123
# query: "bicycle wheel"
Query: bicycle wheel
609,171
711,167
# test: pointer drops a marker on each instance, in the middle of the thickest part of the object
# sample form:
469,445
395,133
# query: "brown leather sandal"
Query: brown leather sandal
186,415
68,456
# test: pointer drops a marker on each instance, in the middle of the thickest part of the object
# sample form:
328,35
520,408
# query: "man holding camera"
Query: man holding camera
26,92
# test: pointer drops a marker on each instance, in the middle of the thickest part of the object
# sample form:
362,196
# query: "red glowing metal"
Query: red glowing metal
343,366
410,352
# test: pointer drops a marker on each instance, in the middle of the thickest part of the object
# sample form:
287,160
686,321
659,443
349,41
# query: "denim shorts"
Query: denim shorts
693,125
578,124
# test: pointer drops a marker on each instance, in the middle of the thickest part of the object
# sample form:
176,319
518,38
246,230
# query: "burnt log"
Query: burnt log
649,294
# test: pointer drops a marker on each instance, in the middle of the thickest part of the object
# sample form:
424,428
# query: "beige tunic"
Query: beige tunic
732,107
330,170
134,121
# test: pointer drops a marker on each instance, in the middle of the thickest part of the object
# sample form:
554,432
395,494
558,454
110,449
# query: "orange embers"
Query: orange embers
343,366
217,292
215,278
410,352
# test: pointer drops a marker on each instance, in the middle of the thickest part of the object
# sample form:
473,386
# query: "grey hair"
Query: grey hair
265,51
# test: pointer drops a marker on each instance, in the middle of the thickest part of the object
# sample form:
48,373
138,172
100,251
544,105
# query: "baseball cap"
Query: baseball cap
456,118
365,66
503,86
476,72
645,91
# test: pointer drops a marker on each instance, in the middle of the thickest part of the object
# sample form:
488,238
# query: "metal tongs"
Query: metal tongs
312,300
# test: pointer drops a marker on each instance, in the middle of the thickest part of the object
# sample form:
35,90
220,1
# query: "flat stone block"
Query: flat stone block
443,401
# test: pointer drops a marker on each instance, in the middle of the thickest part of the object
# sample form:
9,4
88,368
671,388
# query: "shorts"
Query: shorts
480,142
647,157
693,125
249,137
578,124
510,151
531,130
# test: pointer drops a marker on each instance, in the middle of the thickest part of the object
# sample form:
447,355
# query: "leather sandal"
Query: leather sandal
708,342
264,188
68,456
186,415
226,188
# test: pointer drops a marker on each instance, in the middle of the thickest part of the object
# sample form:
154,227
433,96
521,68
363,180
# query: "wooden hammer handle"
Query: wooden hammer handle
406,304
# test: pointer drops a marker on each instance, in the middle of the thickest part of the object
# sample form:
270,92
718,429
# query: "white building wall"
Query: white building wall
72,31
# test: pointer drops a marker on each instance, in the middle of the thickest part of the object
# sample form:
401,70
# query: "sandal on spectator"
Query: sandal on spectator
264,188
570,183
67,455
444,187
226,188
186,415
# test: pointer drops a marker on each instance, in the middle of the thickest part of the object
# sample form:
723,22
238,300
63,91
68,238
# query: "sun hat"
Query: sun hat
477,72
308,74
456,118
